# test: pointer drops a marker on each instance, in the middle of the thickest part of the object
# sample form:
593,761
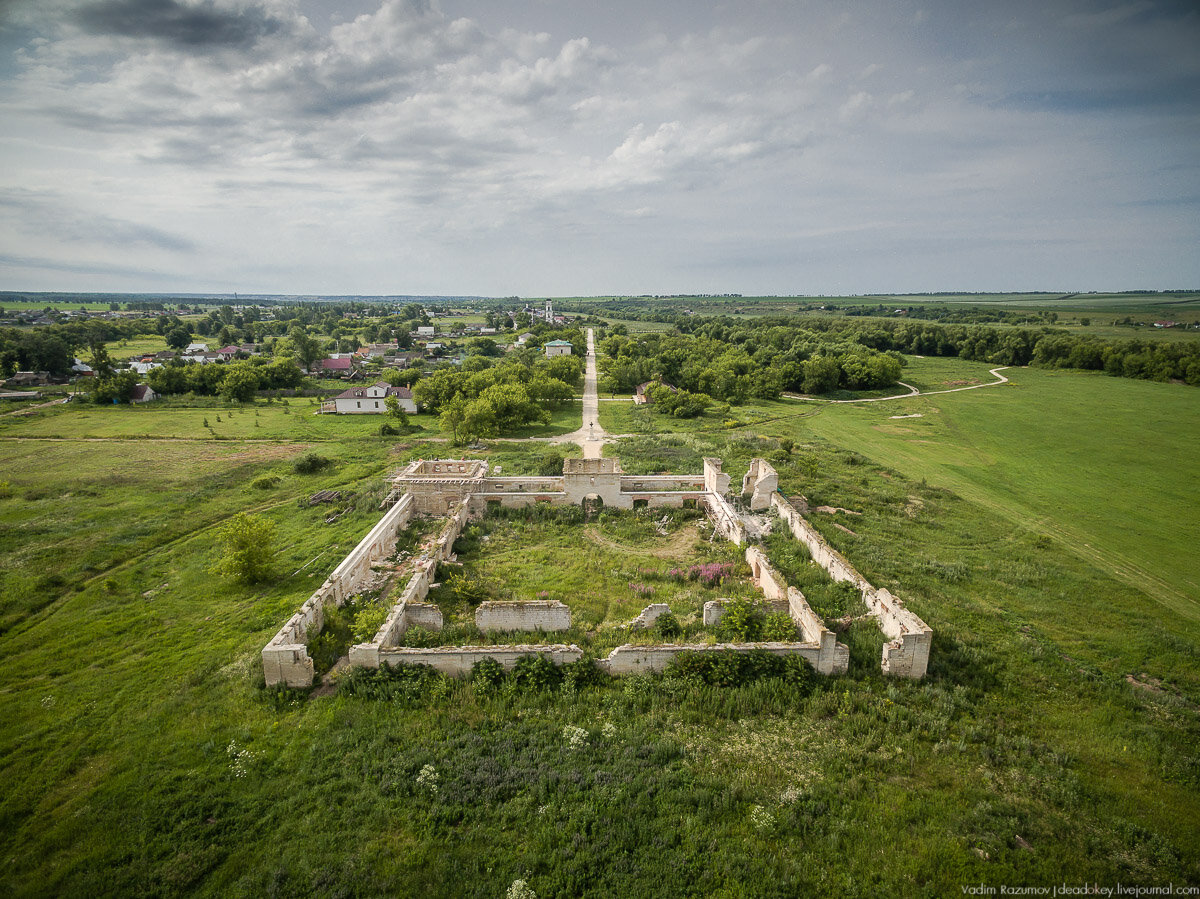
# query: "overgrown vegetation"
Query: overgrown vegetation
1054,740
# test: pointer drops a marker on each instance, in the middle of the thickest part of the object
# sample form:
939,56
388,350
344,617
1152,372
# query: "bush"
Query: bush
778,627
386,430
311,463
418,637
733,669
487,675
249,552
367,623
266,482
741,623
667,626
584,673
535,674
413,684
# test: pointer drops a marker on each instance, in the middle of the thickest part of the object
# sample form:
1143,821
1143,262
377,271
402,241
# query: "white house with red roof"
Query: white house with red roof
372,399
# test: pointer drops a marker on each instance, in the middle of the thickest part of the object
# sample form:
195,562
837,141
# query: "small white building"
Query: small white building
557,348
425,330
372,400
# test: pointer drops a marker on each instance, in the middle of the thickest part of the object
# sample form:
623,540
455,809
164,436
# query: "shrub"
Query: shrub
667,626
582,674
535,674
266,482
367,622
311,463
741,623
418,637
386,430
249,552
487,675
395,683
778,627
732,669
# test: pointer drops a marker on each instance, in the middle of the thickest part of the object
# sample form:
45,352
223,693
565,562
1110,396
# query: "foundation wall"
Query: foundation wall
834,657
724,518
457,661
907,653
539,615
285,657
635,659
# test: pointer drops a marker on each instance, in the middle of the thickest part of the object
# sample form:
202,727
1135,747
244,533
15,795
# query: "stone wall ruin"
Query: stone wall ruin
907,652
462,489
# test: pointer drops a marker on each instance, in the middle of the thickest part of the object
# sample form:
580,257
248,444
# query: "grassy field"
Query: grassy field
606,570
1055,739
1106,465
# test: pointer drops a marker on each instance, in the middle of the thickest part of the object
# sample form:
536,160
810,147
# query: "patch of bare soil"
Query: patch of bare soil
835,509
1145,682
677,544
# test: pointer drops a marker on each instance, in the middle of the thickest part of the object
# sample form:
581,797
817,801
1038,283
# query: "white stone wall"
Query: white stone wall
285,657
539,615
761,482
635,659
457,661
907,655
724,518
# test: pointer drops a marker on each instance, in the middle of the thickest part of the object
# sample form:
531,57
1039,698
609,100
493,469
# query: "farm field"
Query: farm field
1056,737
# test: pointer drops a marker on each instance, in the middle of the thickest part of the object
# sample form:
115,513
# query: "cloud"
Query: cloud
191,26
408,142
46,214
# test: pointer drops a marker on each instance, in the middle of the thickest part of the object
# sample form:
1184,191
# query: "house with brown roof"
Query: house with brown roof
340,366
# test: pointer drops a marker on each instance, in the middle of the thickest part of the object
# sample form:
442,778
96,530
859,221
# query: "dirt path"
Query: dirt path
590,436
30,410
912,391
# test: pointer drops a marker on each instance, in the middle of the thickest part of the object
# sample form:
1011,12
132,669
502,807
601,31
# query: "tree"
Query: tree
178,338
248,549
396,410
308,349
240,382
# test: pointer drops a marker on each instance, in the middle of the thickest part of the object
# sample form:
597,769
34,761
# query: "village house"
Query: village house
557,348
143,393
641,397
335,366
372,399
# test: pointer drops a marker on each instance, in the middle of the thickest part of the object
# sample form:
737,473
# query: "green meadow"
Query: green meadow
1043,529
1105,465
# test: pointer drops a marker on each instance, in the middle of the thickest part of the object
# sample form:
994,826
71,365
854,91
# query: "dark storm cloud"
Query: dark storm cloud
189,26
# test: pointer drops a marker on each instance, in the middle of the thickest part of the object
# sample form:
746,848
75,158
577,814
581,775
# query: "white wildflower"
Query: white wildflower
576,737
428,779
520,890
761,818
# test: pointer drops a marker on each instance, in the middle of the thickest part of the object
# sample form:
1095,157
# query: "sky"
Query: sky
569,148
